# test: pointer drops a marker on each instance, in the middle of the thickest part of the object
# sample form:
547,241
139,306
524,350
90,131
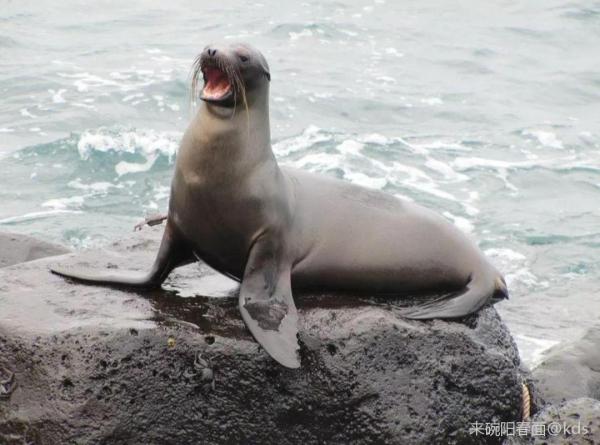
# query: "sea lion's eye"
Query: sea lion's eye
243,58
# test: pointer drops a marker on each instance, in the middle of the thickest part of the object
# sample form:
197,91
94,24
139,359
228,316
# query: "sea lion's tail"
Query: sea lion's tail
485,287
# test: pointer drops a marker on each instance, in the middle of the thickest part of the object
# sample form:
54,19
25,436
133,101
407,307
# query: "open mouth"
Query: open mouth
216,84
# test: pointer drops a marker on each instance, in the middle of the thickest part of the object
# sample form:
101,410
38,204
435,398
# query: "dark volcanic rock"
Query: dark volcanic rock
15,248
570,371
96,365
575,422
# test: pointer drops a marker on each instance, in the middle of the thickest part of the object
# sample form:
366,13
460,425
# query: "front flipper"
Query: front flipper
266,302
150,221
173,252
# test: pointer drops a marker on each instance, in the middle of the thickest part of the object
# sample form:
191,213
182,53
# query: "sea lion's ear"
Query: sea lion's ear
267,305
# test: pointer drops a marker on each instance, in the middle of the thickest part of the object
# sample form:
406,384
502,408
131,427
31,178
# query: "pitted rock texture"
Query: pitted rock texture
96,365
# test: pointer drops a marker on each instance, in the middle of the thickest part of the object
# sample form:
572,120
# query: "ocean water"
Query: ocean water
488,112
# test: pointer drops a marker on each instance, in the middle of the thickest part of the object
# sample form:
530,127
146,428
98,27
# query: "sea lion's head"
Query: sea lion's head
234,75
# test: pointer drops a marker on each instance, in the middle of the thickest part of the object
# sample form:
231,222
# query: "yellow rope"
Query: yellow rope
525,403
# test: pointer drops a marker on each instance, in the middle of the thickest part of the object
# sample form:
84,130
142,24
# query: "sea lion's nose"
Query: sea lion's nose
211,51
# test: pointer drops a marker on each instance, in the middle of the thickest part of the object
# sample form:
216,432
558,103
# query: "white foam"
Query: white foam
309,137
404,197
163,59
473,196
82,105
36,215
418,180
350,147
162,192
320,161
414,174
57,96
132,79
545,138
446,170
119,76
26,113
393,52
515,266
98,187
137,102
85,81
533,348
503,167
298,35
65,203
124,167
462,223
387,79
432,101
61,62
6,130
505,253
364,180
439,145
132,96
381,172
468,163
374,138
146,142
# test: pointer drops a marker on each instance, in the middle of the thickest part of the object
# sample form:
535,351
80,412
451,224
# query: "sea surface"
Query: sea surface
488,112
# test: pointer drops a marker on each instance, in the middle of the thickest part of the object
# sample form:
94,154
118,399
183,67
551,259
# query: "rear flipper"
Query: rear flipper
484,288
173,252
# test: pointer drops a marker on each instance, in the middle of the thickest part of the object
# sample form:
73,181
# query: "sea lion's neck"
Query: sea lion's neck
221,142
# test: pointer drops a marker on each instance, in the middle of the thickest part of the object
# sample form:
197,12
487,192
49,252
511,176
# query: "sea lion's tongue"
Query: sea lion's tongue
216,83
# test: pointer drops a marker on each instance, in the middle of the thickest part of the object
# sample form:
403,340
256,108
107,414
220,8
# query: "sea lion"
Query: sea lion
276,228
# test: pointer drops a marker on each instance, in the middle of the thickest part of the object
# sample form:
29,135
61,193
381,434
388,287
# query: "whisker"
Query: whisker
231,74
247,110
195,77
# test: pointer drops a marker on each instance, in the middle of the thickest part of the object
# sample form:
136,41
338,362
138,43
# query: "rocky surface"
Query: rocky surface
566,393
15,248
97,365
570,371
574,422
